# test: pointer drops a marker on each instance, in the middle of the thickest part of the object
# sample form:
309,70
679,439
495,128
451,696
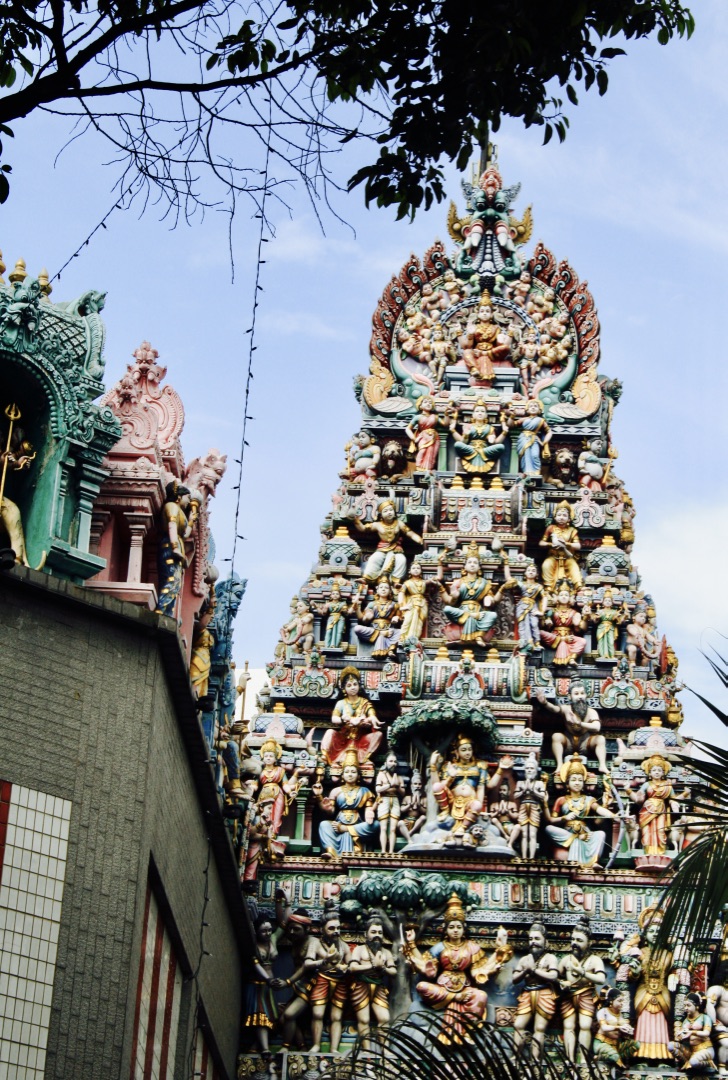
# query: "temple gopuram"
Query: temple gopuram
465,776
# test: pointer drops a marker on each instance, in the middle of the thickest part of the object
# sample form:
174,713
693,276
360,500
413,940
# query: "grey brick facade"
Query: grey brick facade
96,708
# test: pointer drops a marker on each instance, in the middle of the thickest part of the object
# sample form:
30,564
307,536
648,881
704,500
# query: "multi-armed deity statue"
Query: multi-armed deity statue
473,687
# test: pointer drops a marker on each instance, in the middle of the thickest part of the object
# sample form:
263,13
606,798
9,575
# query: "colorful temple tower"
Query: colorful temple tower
471,711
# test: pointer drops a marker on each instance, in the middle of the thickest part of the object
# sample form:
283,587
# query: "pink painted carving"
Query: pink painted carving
149,413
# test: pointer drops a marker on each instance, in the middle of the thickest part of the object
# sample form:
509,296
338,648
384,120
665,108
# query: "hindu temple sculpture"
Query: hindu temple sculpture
503,762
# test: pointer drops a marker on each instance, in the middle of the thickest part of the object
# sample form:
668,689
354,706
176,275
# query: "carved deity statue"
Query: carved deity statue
652,1001
656,799
608,619
477,445
355,727
176,528
717,1010
613,1032
533,439
371,969
538,973
581,975
328,959
388,559
694,1044
642,642
414,808
352,807
378,619
16,455
412,602
260,1007
336,609
583,727
451,972
459,787
561,540
363,457
299,630
561,620
422,431
530,797
530,605
472,600
389,787
575,841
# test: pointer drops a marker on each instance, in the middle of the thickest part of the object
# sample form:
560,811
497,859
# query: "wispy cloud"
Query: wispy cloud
303,323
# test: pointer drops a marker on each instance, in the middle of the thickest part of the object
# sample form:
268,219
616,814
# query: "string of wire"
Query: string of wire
118,205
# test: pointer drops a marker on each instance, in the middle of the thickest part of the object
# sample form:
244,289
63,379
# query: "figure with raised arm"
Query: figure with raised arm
388,560
583,727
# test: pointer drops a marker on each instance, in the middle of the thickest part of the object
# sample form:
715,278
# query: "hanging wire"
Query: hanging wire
118,205
257,288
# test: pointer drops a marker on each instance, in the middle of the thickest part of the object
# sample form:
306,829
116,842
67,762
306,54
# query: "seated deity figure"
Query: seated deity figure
477,445
473,600
388,560
613,1031
562,542
377,627
355,727
695,1047
459,787
450,973
352,807
560,622
575,842
363,457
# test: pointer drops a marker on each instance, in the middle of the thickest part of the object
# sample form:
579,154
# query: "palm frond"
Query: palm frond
414,1049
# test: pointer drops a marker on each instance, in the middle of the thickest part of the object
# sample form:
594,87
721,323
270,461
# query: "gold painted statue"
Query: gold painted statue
388,559
562,542
17,456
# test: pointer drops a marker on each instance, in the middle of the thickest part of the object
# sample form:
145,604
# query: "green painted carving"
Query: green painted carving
432,723
51,365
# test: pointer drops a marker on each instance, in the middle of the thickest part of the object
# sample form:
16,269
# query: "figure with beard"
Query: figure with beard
583,727
538,970
294,928
581,974
328,959
575,841
371,965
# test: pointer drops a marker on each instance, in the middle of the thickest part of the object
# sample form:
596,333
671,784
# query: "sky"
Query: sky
636,199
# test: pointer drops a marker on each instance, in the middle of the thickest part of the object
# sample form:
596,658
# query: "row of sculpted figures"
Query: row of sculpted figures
365,798
389,607
624,1002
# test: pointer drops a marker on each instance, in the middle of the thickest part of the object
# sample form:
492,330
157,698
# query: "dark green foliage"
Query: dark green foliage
429,79
431,723
696,893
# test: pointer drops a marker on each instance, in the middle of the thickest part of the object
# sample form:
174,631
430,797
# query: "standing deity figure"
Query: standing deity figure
299,630
16,455
379,617
422,431
530,797
583,727
202,644
608,619
717,1009
450,969
627,516
389,787
575,842
477,445
695,1048
352,806
414,808
471,598
528,355
336,609
176,528
613,1032
655,798
581,975
388,560
363,457
459,788
538,971
294,930
328,958
355,727
442,351
504,812
412,602
533,439
642,643
561,621
371,968
562,542
260,1009
655,980
530,605
274,787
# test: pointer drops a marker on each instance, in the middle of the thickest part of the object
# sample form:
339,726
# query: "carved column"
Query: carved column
88,486
138,527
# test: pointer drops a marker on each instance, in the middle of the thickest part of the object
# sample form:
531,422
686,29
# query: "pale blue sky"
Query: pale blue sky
636,199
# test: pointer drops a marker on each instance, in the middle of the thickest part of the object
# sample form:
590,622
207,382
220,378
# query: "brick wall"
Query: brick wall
95,709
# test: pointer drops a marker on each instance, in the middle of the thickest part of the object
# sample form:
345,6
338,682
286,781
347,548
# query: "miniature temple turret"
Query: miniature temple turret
486,700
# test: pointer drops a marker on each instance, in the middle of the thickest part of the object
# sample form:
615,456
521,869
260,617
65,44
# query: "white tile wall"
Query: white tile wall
31,891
